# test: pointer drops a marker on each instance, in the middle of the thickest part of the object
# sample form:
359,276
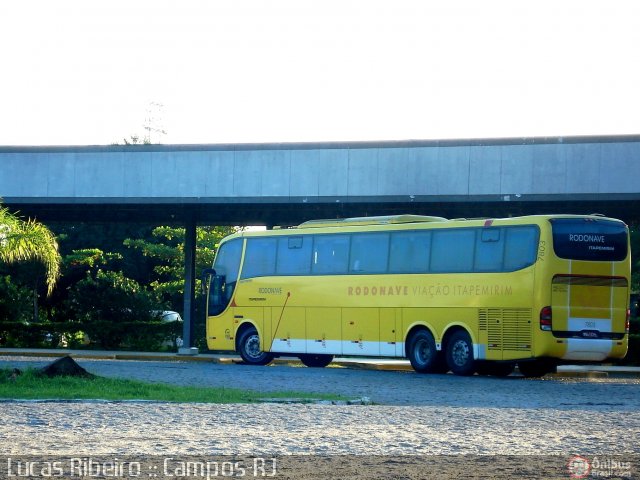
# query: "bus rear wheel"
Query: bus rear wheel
423,355
249,348
315,360
460,354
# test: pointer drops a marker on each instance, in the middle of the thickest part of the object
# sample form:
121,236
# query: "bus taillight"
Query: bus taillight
545,318
627,324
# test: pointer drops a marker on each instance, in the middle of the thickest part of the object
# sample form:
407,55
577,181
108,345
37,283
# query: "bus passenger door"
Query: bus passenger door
361,331
324,331
221,281
220,331
220,316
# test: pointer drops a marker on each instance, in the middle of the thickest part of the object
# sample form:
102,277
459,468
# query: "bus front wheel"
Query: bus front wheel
315,360
460,354
249,348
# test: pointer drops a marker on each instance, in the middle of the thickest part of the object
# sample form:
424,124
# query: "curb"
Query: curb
564,371
590,374
165,358
99,355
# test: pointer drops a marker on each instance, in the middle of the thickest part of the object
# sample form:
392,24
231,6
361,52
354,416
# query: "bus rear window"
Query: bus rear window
589,239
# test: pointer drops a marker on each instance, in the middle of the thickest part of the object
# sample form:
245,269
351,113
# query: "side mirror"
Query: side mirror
206,273
217,301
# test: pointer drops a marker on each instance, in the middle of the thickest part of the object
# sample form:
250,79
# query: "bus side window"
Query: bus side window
369,253
521,247
410,252
294,255
452,250
259,258
330,254
489,250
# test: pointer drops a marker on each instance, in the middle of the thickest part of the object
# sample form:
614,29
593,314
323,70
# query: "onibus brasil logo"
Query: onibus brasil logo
579,467
598,467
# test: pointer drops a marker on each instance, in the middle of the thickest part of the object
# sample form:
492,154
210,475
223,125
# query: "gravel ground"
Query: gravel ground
414,414
141,428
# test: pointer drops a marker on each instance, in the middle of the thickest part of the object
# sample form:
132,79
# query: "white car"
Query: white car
170,316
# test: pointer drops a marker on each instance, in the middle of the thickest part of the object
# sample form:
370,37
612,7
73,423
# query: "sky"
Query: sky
242,71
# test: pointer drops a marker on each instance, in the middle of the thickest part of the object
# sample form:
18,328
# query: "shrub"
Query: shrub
35,335
108,305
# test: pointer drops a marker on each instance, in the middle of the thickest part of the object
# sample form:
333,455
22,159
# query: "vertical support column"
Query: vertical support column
189,285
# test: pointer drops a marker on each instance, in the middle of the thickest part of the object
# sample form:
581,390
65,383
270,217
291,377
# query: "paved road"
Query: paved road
382,387
415,414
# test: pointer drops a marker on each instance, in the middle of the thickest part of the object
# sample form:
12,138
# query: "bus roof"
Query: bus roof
382,220
405,221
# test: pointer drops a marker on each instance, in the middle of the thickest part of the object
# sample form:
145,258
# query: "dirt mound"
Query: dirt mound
65,366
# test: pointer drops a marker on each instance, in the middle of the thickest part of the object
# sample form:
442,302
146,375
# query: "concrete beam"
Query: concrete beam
284,183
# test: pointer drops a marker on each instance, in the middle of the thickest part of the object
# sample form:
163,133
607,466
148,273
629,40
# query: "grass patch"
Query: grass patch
30,385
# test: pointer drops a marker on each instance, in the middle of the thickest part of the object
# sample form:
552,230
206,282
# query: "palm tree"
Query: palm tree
24,240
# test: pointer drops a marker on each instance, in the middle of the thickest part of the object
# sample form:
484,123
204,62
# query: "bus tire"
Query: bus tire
315,360
249,348
422,353
460,354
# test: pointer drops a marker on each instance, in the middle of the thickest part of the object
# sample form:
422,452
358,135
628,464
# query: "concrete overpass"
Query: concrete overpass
288,183
284,184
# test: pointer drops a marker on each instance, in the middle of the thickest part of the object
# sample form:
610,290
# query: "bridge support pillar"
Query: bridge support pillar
189,285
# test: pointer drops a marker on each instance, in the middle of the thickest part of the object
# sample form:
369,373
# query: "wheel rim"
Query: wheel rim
422,352
460,353
252,346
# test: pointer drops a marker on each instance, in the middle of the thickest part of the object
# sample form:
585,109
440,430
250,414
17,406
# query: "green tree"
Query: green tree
28,240
106,237
166,251
15,301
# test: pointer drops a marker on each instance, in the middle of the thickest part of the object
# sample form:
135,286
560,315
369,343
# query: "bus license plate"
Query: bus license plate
590,334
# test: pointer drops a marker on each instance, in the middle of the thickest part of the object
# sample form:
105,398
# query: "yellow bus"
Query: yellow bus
460,295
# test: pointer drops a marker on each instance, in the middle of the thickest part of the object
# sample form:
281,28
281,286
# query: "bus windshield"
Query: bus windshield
589,239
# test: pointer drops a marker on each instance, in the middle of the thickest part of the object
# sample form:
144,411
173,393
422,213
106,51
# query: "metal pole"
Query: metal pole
189,285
